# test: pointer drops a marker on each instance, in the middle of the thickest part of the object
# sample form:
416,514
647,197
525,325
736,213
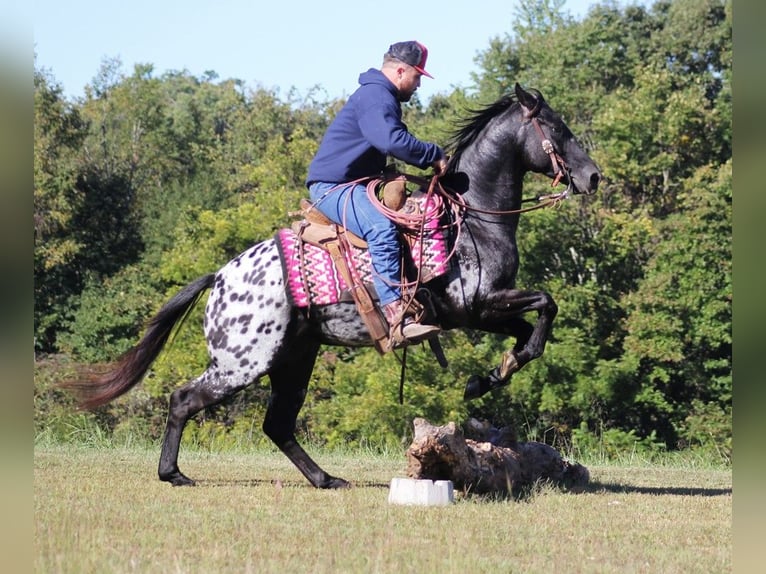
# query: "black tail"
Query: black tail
96,390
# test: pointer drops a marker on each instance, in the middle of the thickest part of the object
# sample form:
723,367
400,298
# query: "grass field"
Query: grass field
103,510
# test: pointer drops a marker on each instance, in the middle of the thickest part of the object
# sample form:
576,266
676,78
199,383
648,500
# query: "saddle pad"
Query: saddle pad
318,281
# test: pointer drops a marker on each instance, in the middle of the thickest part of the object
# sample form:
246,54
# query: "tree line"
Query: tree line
148,181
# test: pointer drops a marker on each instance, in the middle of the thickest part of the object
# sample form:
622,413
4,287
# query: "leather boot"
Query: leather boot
404,328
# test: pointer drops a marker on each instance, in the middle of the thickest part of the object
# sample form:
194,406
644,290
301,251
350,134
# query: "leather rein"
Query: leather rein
560,168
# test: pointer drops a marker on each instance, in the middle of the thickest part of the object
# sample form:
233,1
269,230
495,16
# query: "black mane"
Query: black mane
469,128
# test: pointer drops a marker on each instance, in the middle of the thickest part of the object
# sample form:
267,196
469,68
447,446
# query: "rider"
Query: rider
367,129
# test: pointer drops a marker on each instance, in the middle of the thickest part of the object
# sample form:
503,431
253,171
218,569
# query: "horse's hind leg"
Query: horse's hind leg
289,382
204,391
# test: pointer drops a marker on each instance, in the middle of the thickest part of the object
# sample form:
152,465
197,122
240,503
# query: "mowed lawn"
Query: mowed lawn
104,510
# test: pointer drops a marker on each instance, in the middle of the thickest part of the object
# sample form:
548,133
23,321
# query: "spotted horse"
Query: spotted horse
253,330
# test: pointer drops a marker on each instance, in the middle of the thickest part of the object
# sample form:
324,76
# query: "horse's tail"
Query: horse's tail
95,390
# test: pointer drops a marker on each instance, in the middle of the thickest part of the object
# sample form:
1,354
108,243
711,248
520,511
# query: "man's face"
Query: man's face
409,83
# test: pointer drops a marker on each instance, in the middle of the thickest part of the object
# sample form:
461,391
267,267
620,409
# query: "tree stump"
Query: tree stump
493,461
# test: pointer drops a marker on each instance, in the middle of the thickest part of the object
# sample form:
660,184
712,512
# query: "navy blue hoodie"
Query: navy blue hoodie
367,130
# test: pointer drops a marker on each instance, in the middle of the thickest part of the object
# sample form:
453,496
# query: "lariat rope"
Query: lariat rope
440,200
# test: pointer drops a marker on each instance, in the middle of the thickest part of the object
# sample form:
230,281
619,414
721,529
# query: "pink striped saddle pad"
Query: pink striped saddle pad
311,277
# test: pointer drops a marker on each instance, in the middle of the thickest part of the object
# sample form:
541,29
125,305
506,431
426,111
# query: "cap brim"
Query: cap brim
422,71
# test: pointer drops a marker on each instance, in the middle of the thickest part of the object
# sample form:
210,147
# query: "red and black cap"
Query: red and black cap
413,53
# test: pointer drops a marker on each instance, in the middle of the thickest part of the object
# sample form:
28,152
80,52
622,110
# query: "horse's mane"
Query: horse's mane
470,127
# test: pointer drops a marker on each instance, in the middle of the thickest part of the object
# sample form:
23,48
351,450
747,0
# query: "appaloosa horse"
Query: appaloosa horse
253,330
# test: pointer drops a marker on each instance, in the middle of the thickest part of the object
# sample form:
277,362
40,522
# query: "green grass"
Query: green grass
103,510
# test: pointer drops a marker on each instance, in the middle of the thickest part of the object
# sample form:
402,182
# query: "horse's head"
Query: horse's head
551,148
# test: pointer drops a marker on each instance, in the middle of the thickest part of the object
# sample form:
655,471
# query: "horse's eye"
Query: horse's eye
554,128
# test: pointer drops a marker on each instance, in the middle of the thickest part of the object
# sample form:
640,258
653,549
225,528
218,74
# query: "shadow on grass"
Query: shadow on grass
598,487
523,494
257,482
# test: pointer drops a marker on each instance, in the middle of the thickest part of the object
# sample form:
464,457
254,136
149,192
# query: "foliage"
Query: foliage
151,181
361,382
55,419
679,329
612,444
110,316
58,134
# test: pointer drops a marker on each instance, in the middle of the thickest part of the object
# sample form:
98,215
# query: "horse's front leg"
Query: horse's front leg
502,314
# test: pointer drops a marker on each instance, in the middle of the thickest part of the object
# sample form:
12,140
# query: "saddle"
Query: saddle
316,229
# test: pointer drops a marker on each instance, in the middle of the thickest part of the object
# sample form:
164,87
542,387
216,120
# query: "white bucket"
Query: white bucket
421,492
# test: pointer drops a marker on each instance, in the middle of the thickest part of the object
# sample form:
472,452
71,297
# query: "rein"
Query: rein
456,202
560,168
458,205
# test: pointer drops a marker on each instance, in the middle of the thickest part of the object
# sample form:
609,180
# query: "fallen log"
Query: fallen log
492,461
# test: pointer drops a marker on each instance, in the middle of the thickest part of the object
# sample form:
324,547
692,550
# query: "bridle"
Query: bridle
560,168
559,165
459,206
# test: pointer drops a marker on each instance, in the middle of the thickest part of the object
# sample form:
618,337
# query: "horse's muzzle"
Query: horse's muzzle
587,185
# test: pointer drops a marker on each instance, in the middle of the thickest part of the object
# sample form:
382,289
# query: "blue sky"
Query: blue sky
277,44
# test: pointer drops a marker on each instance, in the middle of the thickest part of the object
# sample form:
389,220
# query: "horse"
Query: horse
252,330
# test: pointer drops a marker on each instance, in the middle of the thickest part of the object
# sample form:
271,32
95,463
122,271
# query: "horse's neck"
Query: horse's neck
493,194
494,173
494,190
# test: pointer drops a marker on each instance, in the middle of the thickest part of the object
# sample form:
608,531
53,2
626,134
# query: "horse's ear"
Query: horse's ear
527,99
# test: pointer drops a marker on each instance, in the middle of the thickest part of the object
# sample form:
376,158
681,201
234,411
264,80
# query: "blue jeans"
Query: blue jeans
362,218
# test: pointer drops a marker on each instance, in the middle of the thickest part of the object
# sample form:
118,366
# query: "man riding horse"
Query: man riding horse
355,147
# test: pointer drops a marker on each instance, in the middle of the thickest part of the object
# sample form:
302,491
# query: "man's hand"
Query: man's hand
440,166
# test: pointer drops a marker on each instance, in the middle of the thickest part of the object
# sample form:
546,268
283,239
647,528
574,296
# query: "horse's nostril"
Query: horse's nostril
594,180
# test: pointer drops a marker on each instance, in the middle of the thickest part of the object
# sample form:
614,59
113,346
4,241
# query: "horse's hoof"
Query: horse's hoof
178,479
333,482
476,387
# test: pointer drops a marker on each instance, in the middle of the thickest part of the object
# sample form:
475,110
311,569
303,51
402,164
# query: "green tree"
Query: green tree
111,314
58,133
679,329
